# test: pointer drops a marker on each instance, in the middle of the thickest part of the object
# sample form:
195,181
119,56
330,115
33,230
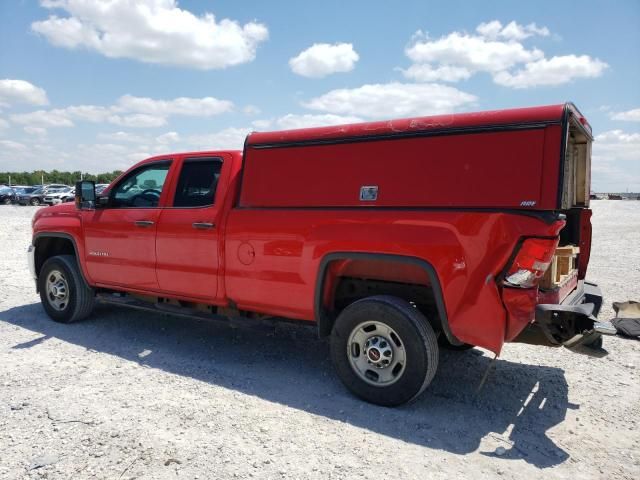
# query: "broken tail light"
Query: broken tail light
531,262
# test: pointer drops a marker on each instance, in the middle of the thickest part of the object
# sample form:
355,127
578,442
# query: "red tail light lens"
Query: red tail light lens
531,262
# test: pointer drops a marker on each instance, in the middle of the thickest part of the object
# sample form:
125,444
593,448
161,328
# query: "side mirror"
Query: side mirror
85,195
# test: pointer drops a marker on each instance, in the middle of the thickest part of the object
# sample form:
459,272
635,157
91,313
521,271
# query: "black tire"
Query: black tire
419,342
7,201
79,301
35,202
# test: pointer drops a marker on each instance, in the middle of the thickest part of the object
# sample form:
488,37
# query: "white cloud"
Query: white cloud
21,91
3,123
36,131
262,124
392,100
425,72
88,113
196,107
11,145
114,151
251,110
291,121
473,52
14,156
229,138
138,120
628,116
100,157
322,59
512,31
168,138
615,145
129,111
553,71
497,50
616,161
152,31
122,137
44,118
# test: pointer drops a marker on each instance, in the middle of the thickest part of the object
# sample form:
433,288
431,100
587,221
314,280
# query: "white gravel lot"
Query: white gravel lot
130,394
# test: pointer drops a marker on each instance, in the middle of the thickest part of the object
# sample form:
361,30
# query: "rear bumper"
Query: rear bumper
572,323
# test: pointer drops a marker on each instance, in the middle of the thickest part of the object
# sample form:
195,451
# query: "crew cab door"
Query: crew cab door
187,240
120,238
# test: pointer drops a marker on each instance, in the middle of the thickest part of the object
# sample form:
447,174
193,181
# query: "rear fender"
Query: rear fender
330,265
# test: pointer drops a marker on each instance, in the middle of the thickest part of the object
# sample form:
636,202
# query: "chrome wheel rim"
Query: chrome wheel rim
376,353
57,290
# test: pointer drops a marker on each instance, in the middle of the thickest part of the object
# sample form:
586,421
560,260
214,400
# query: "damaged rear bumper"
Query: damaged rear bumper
572,323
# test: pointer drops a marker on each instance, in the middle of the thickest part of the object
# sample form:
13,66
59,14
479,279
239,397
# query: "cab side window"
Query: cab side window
141,188
198,182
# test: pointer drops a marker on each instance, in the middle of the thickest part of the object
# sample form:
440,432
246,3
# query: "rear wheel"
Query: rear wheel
7,201
384,350
35,202
65,295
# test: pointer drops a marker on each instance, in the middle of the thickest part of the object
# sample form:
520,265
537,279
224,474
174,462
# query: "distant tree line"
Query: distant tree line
54,176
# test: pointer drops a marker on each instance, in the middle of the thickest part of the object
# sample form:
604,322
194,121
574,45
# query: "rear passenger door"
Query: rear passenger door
187,240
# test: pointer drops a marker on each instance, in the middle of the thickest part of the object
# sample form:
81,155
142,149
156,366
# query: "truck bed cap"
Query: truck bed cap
406,126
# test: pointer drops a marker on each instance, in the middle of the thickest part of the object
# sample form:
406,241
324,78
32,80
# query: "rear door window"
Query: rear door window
198,182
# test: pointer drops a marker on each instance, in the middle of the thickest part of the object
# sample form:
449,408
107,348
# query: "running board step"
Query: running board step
122,299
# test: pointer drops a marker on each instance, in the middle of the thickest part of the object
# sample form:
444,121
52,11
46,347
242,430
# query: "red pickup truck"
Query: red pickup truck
394,238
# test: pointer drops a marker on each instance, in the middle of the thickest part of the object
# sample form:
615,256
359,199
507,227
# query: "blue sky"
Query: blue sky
97,86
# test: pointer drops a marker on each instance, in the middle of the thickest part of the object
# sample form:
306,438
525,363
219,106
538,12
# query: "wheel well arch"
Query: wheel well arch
327,287
52,244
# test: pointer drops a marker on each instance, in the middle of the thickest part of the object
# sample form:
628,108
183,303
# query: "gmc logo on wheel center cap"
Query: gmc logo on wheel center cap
374,354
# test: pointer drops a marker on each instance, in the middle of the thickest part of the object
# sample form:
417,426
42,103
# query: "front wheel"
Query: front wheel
35,202
384,350
65,295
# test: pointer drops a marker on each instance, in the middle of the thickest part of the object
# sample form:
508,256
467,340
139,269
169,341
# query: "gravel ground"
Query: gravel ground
131,394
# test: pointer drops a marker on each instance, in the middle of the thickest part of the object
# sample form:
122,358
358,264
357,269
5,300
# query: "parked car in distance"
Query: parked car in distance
22,191
7,196
71,195
33,197
36,197
55,195
101,187
64,197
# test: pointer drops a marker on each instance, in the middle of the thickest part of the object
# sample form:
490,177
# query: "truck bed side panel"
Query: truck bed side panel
273,272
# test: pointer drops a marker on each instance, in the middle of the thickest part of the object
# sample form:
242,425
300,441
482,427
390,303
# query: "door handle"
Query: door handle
143,223
202,225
